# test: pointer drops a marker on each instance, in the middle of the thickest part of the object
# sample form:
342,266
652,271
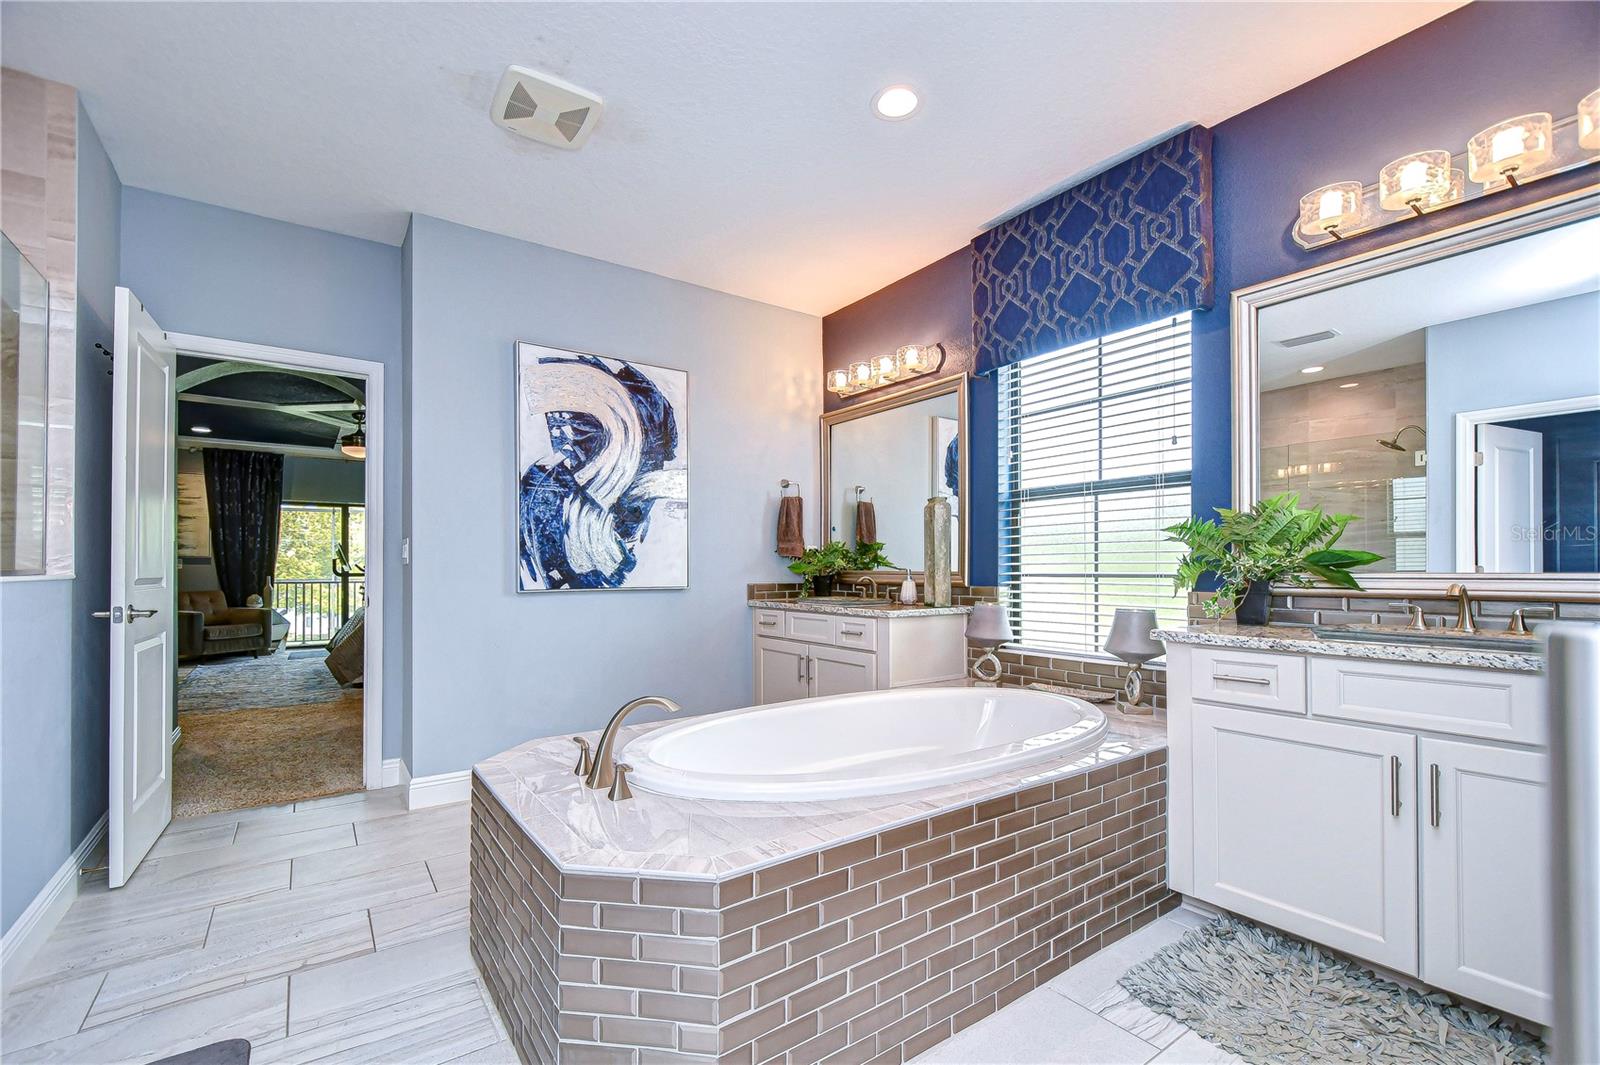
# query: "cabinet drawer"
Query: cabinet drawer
769,623
1492,704
860,633
1258,680
813,628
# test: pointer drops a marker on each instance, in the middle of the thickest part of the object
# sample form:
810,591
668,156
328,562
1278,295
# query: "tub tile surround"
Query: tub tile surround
851,929
1297,640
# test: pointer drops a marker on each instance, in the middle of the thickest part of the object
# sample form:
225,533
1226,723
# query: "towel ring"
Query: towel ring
786,484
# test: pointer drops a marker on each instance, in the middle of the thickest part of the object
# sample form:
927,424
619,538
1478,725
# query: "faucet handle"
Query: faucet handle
619,784
1519,618
1414,618
585,757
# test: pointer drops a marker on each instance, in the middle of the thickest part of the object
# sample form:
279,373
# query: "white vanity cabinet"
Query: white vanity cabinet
1395,811
799,654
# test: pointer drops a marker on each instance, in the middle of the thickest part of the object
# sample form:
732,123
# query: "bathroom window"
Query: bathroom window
1094,464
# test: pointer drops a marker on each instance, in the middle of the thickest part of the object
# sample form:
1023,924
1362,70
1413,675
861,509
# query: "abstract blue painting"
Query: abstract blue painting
603,481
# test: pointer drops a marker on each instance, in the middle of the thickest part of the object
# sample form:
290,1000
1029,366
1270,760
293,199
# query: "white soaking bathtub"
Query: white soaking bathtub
874,743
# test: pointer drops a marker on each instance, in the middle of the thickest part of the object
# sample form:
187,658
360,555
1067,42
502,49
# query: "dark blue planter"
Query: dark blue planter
1256,604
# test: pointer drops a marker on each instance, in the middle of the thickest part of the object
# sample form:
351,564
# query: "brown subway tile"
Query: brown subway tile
598,944
679,950
813,943
786,873
823,887
685,894
642,975
904,836
782,984
584,999
849,854
850,903
787,1037
785,928
599,888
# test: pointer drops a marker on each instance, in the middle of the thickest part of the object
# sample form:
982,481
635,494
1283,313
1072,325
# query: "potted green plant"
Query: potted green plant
820,567
1274,541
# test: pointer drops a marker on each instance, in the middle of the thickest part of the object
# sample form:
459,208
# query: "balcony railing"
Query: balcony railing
317,608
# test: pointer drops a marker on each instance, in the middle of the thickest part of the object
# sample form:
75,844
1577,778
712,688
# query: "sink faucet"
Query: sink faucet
868,585
604,771
1464,622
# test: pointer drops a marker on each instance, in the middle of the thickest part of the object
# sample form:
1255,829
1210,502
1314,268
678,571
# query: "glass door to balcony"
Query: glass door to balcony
320,577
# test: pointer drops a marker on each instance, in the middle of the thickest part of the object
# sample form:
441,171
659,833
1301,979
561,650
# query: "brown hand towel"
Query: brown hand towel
866,523
791,527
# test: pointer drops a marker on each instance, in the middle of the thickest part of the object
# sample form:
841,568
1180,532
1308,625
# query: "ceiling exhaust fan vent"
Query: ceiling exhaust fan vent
1308,338
544,108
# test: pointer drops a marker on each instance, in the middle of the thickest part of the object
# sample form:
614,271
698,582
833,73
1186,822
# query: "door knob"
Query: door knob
133,613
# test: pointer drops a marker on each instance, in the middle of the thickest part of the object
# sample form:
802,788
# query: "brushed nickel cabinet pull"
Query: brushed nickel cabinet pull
1433,795
800,667
767,622
1241,680
851,632
1394,785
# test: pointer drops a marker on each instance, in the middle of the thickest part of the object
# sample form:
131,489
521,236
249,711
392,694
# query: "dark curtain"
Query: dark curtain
243,490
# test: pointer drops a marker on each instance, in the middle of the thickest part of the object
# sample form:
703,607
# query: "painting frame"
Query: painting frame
643,515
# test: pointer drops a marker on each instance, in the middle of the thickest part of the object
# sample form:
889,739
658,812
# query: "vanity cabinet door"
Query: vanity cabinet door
1486,861
839,671
1309,826
782,670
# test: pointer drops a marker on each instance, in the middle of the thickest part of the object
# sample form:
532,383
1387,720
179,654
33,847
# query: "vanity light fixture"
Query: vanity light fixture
904,363
1589,121
1506,149
895,103
1506,155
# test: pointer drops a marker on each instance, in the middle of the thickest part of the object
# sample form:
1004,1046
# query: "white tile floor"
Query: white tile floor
335,930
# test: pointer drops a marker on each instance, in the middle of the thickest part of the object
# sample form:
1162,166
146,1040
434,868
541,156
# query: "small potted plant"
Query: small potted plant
820,567
1274,541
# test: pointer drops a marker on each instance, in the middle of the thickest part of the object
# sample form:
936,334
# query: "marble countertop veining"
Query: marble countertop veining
1296,639
704,839
815,606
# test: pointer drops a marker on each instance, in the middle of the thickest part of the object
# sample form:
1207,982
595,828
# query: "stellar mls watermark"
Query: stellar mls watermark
1567,534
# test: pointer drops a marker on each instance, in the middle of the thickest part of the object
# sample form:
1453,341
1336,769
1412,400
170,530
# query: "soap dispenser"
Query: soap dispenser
908,590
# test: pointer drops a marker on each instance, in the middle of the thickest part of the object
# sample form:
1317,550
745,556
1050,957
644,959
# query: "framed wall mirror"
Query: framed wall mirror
892,454
1446,392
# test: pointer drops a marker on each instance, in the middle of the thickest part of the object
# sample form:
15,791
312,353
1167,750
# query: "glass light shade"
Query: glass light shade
1589,121
988,626
1415,182
1507,149
838,382
913,359
885,368
860,375
1331,208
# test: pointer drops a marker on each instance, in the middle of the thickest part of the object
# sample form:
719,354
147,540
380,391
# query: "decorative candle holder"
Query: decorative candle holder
1130,640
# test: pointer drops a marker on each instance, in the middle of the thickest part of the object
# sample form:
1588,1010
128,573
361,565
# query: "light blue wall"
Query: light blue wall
53,655
492,668
222,273
1526,355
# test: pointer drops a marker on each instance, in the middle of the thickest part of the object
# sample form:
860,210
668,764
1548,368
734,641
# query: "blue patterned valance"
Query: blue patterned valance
1128,246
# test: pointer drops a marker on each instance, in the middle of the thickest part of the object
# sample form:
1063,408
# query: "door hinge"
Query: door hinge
1477,458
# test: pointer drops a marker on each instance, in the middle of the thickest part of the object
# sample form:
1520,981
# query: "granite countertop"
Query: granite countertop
1296,639
706,839
855,610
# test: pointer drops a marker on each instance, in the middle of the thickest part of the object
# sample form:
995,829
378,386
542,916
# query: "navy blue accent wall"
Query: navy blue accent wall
1335,127
1571,489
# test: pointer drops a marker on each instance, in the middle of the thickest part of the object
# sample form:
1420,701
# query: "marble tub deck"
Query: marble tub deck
699,839
1297,639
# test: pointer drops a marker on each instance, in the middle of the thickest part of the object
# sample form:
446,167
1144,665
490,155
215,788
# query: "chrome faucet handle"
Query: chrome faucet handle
619,784
1519,618
1414,618
585,757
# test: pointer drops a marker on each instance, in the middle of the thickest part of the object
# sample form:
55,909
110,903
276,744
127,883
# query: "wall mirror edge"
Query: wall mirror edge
952,384
1247,305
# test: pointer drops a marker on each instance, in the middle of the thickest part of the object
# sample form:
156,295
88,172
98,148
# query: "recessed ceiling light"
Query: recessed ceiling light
201,429
895,102
1313,369
1350,384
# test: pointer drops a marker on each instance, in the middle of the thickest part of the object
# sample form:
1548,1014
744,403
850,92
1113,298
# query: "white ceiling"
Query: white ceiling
1379,319
737,150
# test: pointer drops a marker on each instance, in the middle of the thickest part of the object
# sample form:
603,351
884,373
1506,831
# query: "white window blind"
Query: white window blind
1094,464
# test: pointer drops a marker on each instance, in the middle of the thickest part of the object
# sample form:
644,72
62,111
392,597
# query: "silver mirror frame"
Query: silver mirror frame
1248,303
916,393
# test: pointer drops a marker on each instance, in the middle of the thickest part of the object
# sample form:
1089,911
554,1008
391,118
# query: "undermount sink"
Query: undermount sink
1480,641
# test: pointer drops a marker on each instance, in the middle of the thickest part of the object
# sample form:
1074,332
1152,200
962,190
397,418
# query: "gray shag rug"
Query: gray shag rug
1274,1000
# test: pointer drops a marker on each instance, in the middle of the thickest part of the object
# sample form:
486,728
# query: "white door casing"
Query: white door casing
1487,929
1510,500
1309,826
143,597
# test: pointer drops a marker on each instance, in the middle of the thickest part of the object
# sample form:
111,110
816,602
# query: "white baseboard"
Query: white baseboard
439,789
24,938
395,773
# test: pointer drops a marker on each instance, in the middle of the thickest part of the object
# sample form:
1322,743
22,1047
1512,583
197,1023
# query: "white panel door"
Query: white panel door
1486,866
143,620
781,670
1510,500
1309,826
838,671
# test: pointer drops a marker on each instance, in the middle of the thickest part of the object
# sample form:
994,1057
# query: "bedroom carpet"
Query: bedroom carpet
264,731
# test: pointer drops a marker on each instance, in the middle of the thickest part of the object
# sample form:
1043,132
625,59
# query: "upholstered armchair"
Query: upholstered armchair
207,625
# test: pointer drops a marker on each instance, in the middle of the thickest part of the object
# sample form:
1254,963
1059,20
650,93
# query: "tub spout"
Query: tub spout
604,771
